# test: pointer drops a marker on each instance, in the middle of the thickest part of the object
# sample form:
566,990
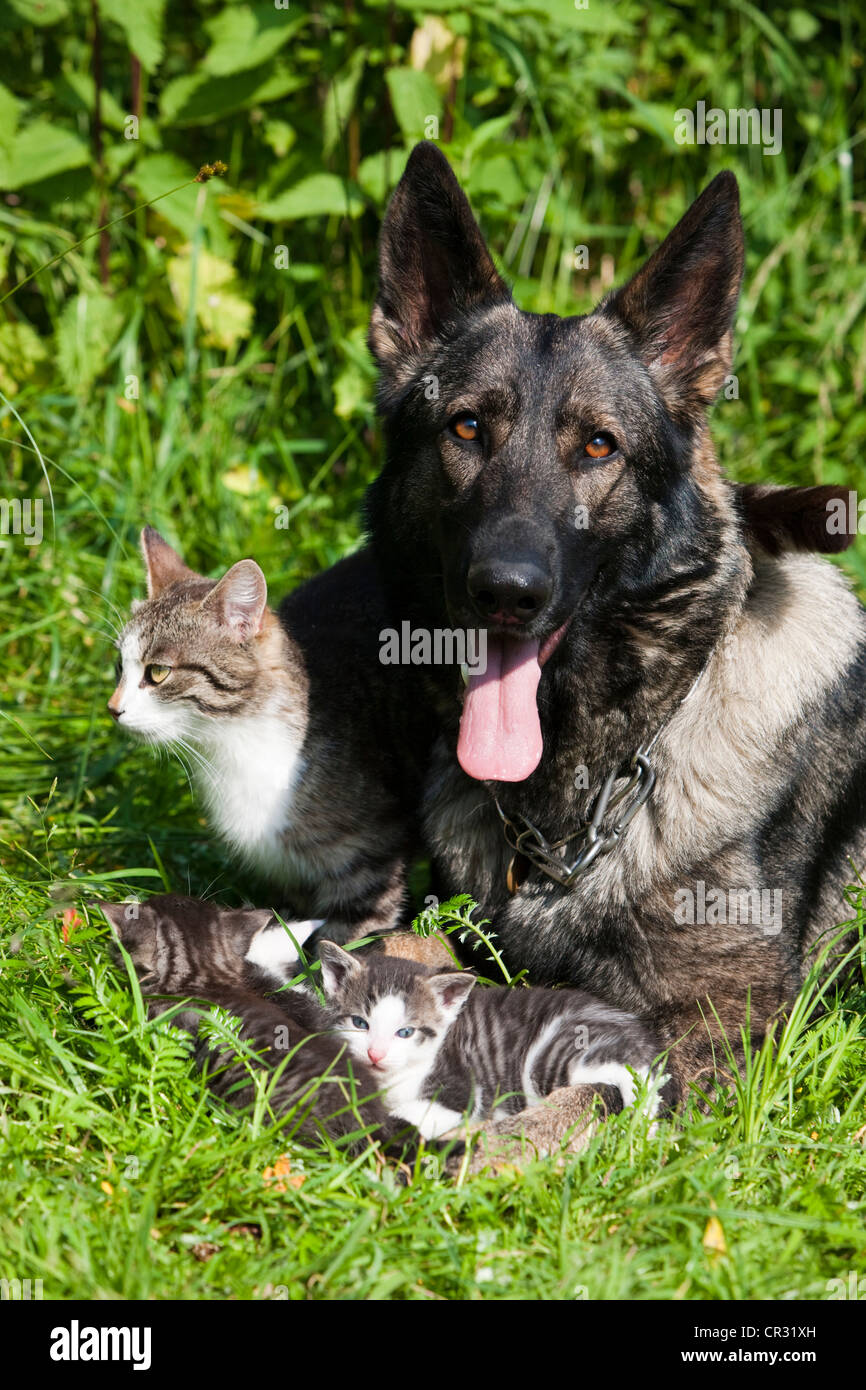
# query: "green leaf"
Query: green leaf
497,177
40,151
245,36
42,13
379,173
415,98
21,351
340,100
280,136
802,26
224,315
591,18
141,21
318,195
86,331
9,108
494,129
351,391
197,99
76,89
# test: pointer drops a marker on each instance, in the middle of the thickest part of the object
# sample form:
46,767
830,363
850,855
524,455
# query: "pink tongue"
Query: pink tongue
500,734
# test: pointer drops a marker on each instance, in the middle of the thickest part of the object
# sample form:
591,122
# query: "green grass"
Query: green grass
118,1167
562,134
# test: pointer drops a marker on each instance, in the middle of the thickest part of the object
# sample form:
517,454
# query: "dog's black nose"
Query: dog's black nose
508,591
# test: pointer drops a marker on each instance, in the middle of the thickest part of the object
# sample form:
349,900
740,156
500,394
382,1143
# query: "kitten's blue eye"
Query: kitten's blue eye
360,1023
404,1032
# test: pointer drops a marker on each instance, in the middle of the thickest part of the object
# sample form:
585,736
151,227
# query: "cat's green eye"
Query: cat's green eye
360,1023
404,1032
157,674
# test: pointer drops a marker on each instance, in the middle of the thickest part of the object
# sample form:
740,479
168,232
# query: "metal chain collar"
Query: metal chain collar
591,839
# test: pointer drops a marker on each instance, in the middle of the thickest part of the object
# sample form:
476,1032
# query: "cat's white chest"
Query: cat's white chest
249,788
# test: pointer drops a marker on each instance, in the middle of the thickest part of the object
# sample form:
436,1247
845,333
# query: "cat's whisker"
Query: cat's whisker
198,758
214,881
177,753
103,598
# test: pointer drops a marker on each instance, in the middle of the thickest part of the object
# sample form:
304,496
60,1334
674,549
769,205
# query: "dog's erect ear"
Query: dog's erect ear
164,565
433,261
796,518
680,305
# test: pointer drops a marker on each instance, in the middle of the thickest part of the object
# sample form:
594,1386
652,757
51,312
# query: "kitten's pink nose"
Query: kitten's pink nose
114,704
376,1054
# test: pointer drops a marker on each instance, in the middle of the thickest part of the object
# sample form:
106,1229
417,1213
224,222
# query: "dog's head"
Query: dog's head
547,477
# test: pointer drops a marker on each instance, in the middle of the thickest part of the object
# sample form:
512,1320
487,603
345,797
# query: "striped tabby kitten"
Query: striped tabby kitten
182,947
308,761
443,1050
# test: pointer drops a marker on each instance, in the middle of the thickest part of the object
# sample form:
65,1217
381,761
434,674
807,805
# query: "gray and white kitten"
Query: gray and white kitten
183,948
307,760
443,1049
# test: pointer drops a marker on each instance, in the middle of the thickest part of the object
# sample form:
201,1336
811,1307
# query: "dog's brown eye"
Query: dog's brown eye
465,426
601,446
157,674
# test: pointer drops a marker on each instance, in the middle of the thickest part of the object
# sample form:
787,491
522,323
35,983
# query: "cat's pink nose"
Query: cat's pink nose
376,1054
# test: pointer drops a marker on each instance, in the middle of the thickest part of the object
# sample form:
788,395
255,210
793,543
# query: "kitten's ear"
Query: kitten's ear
680,305
452,988
433,262
114,913
338,967
124,916
239,599
164,565
132,924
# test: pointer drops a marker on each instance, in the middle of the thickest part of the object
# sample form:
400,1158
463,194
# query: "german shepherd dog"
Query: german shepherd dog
553,482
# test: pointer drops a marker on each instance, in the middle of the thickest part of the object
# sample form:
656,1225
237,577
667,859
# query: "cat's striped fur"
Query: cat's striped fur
445,1050
308,770
185,949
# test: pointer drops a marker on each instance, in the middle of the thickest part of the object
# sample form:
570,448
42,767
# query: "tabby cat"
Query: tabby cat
185,948
308,761
444,1049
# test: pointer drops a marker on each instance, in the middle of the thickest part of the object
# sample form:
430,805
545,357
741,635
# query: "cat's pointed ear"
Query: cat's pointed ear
451,988
680,305
164,565
131,923
338,967
433,262
239,599
113,912
123,916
